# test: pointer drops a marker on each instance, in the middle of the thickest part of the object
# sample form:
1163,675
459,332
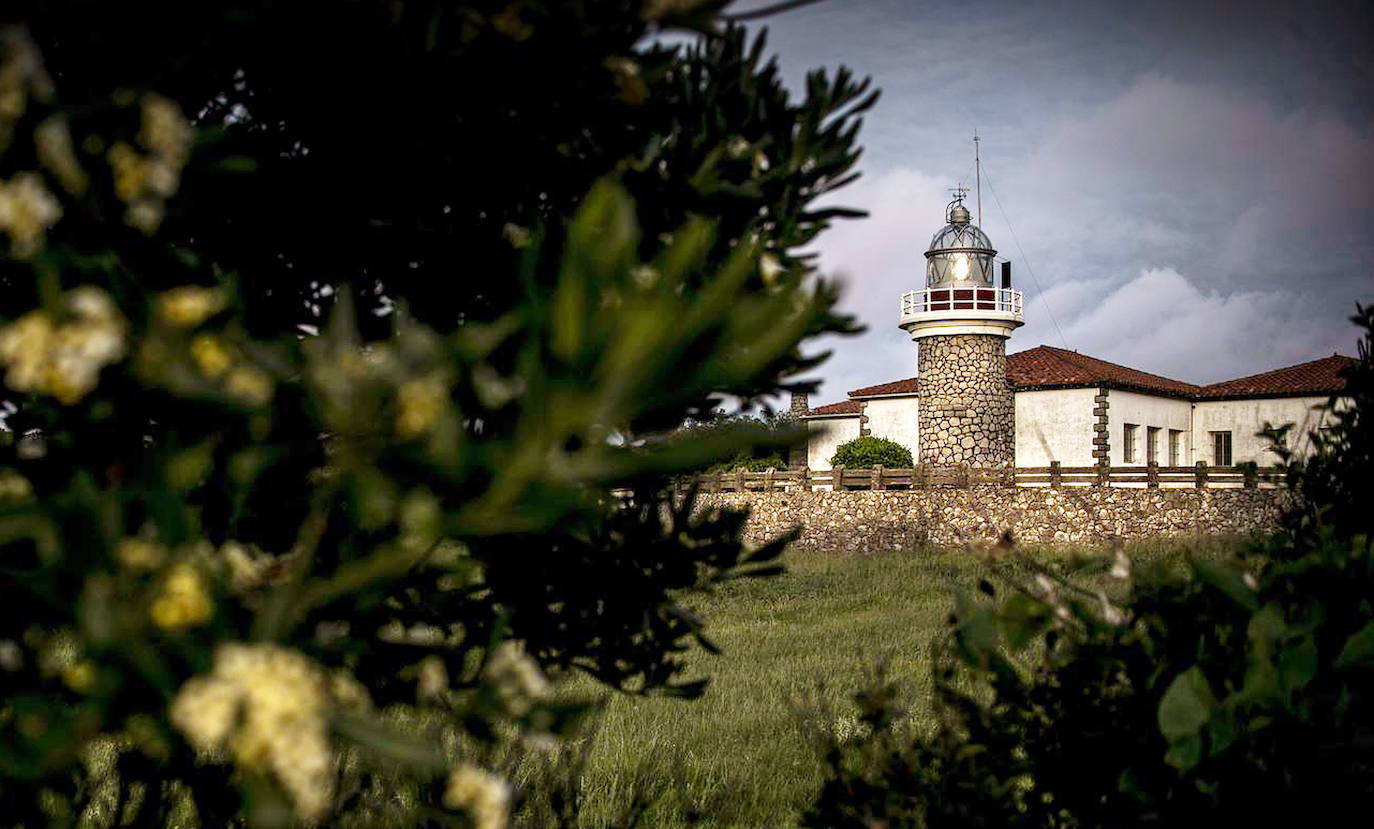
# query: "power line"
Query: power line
1043,301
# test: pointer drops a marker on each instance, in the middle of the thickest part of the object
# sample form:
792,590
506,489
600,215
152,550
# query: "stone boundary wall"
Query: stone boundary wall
874,521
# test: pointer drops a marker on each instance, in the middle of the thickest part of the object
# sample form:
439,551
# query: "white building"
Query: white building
1065,406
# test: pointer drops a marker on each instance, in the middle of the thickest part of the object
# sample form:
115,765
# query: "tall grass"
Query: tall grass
738,753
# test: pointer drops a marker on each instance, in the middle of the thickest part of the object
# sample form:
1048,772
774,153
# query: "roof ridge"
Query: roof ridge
1259,374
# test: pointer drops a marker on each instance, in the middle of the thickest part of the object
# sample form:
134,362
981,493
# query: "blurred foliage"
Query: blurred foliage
1239,690
345,343
867,451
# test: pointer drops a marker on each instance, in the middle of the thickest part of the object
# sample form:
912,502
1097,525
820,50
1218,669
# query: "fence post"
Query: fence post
804,479
768,484
740,485
1251,476
1056,474
1104,475
1152,475
919,479
1200,475
837,478
964,475
876,477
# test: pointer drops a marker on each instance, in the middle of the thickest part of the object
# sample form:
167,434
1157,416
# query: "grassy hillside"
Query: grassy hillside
814,630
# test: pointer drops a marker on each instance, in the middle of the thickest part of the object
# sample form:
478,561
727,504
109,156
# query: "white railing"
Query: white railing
1004,300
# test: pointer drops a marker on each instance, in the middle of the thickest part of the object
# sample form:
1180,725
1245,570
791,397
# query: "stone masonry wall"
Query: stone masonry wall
872,521
966,409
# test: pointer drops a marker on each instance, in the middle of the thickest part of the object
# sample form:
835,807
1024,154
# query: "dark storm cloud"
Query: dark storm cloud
1190,182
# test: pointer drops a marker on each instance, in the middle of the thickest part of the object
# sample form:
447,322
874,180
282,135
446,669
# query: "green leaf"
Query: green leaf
1359,649
1186,705
1229,581
1297,664
418,753
1022,619
1185,753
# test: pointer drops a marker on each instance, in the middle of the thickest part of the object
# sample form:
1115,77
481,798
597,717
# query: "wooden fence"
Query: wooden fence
1151,476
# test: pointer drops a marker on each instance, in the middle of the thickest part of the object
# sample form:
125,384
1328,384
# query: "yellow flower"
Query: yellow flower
211,355
189,305
139,554
483,795
64,360
14,487
266,705
249,384
184,601
418,404
165,131
27,210
80,676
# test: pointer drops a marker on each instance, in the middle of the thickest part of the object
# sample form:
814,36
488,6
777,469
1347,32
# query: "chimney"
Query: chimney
797,455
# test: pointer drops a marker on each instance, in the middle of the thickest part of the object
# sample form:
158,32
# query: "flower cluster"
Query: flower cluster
483,795
266,706
144,181
515,678
64,357
183,601
27,210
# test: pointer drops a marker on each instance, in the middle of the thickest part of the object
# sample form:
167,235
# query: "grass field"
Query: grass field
818,628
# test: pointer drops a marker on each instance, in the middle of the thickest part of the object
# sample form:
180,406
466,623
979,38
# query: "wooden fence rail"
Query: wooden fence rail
1151,476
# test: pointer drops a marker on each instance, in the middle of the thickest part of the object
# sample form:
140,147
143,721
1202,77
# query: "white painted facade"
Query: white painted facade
1244,418
894,418
824,434
1146,412
1057,425
1054,425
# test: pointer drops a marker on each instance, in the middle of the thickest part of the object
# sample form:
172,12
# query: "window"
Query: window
1221,448
1175,447
1128,453
1152,444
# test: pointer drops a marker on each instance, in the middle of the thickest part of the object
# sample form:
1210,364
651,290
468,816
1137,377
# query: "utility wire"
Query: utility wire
767,11
1029,269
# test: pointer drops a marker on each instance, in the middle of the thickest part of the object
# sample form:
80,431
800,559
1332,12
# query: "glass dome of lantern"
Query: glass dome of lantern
960,255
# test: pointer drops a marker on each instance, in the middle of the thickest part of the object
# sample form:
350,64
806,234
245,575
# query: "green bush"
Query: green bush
342,411
1242,690
749,463
866,452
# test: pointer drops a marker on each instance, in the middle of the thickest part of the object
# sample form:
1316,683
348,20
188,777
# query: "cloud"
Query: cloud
1189,229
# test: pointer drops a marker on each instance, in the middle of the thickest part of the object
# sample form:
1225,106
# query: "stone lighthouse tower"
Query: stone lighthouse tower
961,321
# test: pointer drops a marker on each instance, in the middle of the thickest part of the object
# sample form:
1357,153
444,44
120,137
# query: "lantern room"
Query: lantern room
960,254
960,295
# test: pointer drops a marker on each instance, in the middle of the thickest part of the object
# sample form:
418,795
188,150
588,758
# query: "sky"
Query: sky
1186,188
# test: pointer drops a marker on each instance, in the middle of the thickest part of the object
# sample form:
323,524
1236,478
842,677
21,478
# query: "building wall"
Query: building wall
1243,418
967,411
1054,425
869,521
824,434
895,418
1147,410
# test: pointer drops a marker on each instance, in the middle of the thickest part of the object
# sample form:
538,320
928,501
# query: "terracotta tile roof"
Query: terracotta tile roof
907,386
1317,377
1049,367
844,407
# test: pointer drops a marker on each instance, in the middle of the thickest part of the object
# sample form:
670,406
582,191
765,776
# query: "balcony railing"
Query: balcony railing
1002,300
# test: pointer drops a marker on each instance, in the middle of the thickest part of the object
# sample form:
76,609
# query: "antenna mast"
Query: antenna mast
978,175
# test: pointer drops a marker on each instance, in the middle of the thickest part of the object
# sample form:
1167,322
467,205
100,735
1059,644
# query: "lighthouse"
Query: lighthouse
960,322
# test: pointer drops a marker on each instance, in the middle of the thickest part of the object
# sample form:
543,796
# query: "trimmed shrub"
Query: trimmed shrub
866,452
